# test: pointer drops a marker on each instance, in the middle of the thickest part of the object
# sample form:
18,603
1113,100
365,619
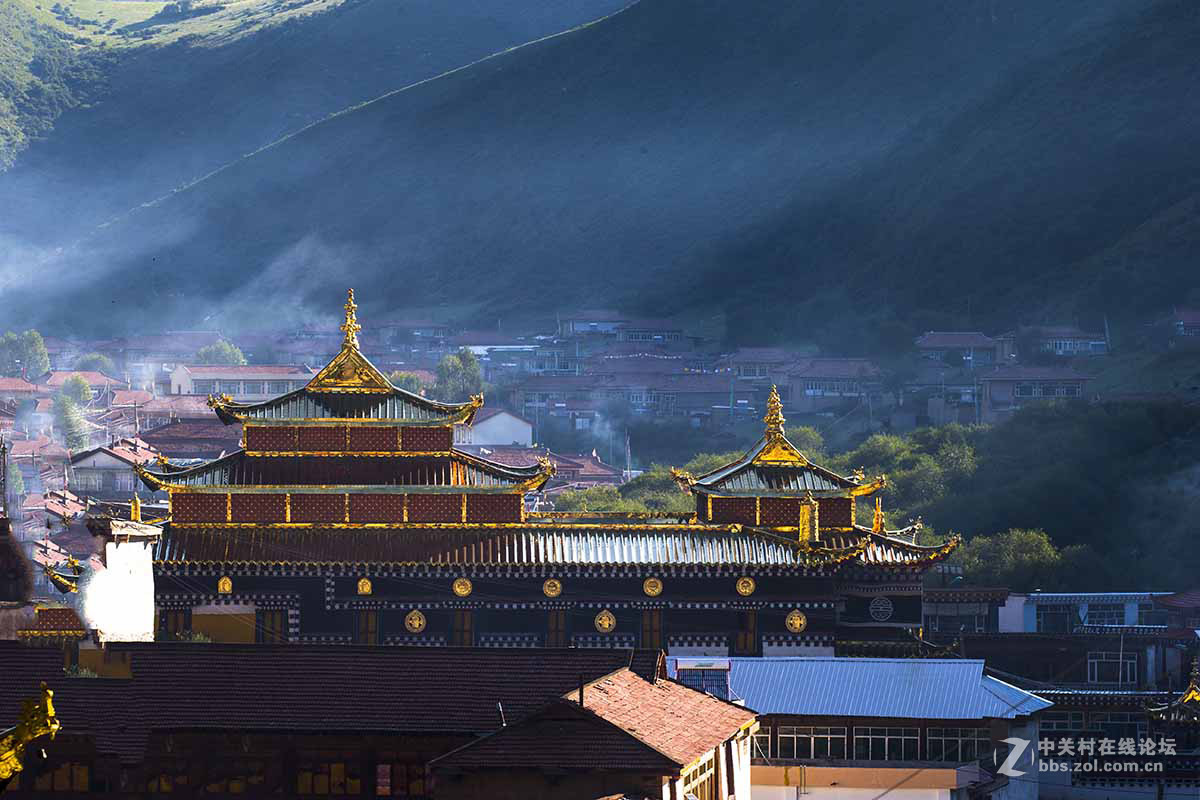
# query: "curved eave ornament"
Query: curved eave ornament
37,720
65,580
817,556
1186,709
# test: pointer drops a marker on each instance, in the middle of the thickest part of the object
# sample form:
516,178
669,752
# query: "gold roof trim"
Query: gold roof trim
350,371
37,719
776,449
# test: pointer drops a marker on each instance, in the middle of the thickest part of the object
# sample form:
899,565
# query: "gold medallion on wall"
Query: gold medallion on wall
796,621
364,586
463,587
414,621
225,585
552,587
652,587
745,586
606,621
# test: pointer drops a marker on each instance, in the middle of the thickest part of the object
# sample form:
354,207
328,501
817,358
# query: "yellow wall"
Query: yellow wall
225,627
115,665
880,777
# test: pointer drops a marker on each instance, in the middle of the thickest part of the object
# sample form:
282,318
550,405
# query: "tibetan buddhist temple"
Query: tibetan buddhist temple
349,516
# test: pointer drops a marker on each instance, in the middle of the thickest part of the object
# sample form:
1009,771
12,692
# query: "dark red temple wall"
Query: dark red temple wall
733,510
376,508
494,507
188,507
427,440
270,439
373,439
835,512
318,508
248,507
435,507
777,512
321,438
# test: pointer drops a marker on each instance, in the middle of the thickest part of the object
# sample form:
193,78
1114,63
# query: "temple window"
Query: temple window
463,632
556,629
367,629
746,643
886,744
174,621
271,625
652,628
807,742
1112,667
399,780
957,744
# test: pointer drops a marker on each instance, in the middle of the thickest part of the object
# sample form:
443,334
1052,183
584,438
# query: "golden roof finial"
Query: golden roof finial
135,509
350,327
877,524
774,417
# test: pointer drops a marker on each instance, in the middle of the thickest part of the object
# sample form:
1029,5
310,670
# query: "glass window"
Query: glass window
252,387
1118,724
1056,619
1106,614
277,387
762,742
810,742
1118,668
87,480
886,744
1062,721
957,744
204,387
1149,615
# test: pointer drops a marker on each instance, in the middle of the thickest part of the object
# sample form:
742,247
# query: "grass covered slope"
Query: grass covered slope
883,166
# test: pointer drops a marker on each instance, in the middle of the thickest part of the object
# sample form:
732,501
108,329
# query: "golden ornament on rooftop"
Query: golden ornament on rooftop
463,587
606,621
552,587
652,587
414,621
225,585
746,586
796,622
364,586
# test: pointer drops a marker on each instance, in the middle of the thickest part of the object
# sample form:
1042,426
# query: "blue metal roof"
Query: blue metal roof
916,688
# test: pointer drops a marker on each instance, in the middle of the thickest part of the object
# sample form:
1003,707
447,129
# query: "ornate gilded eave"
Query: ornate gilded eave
37,720
1185,709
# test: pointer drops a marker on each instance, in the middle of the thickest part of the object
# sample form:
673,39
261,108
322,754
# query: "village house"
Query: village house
765,364
162,409
16,389
495,426
580,323
816,384
1005,390
102,385
919,729
1063,341
244,382
1183,327
971,349
107,472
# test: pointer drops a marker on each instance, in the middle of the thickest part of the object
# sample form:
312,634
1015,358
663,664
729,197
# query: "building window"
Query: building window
761,745
316,775
1062,721
463,632
1118,668
805,742
1149,615
277,387
252,387
126,481
1118,724
652,628
87,480
746,642
556,629
271,627
231,387
886,744
957,744
399,780
174,621
1025,390
1056,619
204,387
367,629
1106,614
700,781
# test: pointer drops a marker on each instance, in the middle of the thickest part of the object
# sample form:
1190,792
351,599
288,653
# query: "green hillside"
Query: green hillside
877,169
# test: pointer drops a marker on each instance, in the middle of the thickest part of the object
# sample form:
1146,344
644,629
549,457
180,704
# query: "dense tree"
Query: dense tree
407,381
96,362
76,387
16,481
1021,560
70,423
23,355
458,377
220,352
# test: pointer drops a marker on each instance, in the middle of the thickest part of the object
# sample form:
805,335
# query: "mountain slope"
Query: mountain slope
847,172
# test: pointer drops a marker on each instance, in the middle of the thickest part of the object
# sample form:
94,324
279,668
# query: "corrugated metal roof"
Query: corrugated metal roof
304,405
775,479
916,688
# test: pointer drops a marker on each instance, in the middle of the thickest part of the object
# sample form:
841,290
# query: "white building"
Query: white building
495,426
247,382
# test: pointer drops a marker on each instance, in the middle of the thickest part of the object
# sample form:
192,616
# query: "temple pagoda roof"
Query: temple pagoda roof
1185,708
348,389
775,466
241,470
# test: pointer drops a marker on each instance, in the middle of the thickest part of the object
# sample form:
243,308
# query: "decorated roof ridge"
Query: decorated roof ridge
349,372
534,476
1187,706
775,451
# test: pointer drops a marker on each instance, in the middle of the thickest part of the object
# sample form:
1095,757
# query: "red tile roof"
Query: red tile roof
250,370
43,446
95,380
954,339
122,397
194,438
677,721
184,406
1022,373
12,385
